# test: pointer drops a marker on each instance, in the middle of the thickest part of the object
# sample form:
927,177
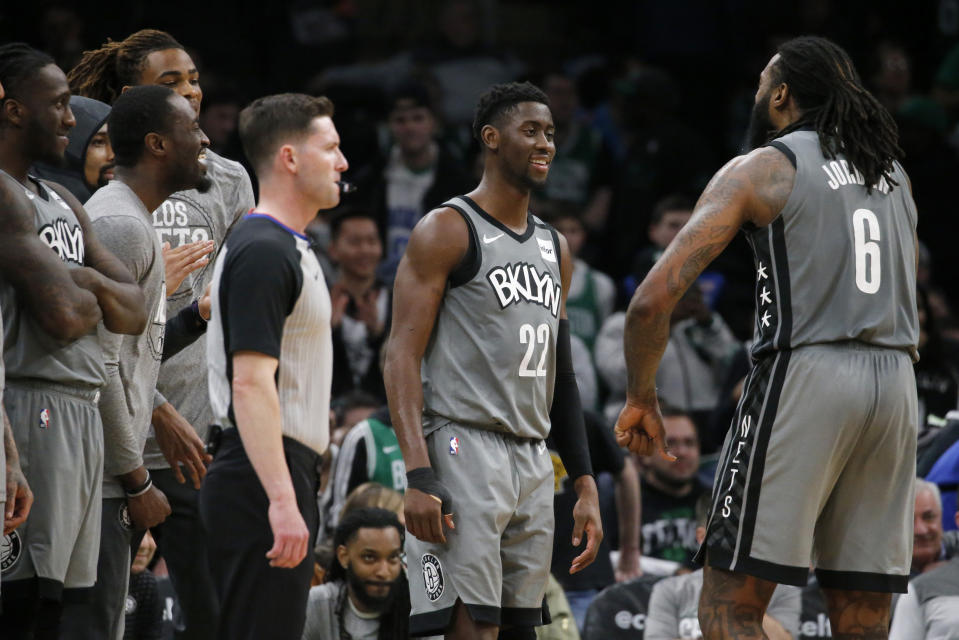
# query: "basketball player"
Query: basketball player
15,495
52,301
271,364
159,149
819,459
480,304
182,414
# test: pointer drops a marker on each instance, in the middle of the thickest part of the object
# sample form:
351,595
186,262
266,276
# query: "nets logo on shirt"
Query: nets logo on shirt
65,239
523,282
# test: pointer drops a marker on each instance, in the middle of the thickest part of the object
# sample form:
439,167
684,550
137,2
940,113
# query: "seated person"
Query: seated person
931,607
930,547
365,588
670,491
619,612
674,603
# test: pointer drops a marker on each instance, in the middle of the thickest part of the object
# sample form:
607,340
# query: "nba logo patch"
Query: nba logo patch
546,249
45,419
454,445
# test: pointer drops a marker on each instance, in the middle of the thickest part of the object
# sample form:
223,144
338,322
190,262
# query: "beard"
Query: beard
760,126
357,587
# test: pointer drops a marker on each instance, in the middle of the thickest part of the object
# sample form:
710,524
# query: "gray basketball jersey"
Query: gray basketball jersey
29,352
491,360
838,263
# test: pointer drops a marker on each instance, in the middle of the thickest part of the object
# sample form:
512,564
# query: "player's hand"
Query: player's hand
627,567
19,499
640,429
424,516
586,520
203,304
183,261
149,509
290,535
180,444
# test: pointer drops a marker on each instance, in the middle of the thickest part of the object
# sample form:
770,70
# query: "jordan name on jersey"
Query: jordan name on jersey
523,282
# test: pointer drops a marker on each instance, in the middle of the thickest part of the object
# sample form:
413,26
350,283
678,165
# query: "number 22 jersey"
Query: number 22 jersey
839,262
490,361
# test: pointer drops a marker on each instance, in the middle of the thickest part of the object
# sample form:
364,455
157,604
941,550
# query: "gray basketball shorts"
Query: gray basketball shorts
60,439
497,559
818,469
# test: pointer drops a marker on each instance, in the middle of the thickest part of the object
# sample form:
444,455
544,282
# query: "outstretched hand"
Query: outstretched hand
640,429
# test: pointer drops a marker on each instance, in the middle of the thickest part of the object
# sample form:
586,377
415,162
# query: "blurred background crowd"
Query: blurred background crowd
649,100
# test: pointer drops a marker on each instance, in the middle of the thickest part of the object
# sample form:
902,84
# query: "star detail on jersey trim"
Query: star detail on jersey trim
487,239
761,272
764,296
765,319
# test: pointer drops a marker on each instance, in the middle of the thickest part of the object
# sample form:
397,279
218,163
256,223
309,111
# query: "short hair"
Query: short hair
673,202
355,399
138,112
501,99
102,73
411,91
931,487
271,121
337,220
349,526
20,62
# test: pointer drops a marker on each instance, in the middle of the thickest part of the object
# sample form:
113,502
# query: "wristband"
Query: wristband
197,316
143,488
424,479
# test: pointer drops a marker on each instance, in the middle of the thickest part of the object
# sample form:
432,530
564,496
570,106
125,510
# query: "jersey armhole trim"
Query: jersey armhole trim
786,151
469,266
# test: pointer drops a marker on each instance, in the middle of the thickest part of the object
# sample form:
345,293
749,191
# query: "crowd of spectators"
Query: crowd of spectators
633,152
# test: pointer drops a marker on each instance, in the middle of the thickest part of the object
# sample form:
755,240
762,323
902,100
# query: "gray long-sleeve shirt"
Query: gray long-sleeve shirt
184,217
122,224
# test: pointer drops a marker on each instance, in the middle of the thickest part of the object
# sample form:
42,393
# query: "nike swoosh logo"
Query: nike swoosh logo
391,449
487,240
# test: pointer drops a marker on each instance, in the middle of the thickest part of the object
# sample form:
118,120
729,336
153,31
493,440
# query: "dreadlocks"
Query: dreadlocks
834,102
394,623
102,73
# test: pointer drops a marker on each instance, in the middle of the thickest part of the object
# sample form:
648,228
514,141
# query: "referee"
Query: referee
270,362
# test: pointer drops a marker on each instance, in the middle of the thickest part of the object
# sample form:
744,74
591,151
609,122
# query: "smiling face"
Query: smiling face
926,530
44,108
525,144
188,146
175,69
412,127
357,247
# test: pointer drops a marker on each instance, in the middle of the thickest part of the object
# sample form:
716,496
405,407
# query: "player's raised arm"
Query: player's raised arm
437,245
749,189
41,279
118,294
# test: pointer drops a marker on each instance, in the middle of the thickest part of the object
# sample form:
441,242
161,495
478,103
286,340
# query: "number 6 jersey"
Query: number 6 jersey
490,361
838,263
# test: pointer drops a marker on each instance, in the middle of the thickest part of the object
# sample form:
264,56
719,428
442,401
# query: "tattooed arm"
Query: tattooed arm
752,188
41,280
118,294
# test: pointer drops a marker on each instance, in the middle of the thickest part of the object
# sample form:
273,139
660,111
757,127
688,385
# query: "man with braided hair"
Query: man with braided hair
195,224
478,374
819,460
364,592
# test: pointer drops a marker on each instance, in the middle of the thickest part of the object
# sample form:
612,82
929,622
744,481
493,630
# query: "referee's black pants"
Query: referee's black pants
256,600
